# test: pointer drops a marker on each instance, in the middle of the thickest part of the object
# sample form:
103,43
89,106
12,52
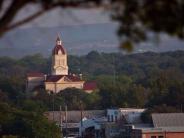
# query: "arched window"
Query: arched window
59,52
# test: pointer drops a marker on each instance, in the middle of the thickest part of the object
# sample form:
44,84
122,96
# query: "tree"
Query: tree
137,96
22,123
71,97
138,17
6,20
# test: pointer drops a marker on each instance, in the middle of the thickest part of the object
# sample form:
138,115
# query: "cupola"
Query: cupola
58,49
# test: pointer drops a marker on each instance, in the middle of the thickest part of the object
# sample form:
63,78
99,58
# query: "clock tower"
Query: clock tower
59,59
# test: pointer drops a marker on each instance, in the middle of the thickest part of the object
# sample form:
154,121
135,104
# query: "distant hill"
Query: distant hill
77,39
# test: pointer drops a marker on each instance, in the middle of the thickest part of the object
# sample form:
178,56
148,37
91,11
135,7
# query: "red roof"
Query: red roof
55,78
90,85
35,74
57,48
73,78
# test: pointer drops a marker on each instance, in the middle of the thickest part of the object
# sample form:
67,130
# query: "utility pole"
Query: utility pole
53,106
114,70
60,116
181,108
66,121
51,93
81,108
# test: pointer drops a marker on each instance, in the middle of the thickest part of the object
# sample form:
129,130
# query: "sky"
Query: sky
64,17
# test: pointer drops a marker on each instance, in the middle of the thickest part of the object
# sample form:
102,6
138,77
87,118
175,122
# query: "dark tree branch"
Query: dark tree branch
16,5
8,16
24,21
1,4
32,17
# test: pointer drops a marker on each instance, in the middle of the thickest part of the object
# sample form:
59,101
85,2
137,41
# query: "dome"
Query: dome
58,48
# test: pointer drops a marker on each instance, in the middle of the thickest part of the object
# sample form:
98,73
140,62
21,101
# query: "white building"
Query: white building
92,127
130,114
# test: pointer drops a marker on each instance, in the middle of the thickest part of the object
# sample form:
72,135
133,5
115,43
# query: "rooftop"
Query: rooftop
162,129
55,78
90,85
35,74
168,120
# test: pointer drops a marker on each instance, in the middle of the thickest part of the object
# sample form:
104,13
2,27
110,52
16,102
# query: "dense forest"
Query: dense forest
148,80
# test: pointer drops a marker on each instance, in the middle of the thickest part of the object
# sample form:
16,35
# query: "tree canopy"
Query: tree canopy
138,80
146,80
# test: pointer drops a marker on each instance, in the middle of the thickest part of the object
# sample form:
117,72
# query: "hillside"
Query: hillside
77,39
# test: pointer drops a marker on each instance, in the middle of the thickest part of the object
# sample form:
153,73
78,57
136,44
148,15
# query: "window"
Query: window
153,137
108,118
59,52
116,118
160,136
112,119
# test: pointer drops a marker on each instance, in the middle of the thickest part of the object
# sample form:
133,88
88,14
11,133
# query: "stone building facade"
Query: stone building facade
59,59
59,79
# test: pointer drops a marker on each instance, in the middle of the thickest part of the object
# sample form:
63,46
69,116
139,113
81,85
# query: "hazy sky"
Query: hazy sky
61,17
69,23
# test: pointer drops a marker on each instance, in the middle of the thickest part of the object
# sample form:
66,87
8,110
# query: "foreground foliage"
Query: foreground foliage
23,123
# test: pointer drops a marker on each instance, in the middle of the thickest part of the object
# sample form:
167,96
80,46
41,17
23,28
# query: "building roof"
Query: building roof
55,78
35,74
73,78
75,116
168,120
90,85
57,48
160,129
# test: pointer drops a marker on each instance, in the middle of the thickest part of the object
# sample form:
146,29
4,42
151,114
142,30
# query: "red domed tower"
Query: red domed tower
59,59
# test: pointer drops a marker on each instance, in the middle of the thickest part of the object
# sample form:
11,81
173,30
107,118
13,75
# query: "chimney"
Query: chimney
80,75
45,77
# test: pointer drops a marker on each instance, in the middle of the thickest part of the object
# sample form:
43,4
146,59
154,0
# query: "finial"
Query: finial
58,40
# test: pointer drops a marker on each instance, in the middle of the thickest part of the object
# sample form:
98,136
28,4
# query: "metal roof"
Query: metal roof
168,120
163,129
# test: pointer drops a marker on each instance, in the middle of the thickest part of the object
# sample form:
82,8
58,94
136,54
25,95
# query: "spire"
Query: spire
58,40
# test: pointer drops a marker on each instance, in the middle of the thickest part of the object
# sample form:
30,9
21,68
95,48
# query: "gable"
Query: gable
54,78
64,79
